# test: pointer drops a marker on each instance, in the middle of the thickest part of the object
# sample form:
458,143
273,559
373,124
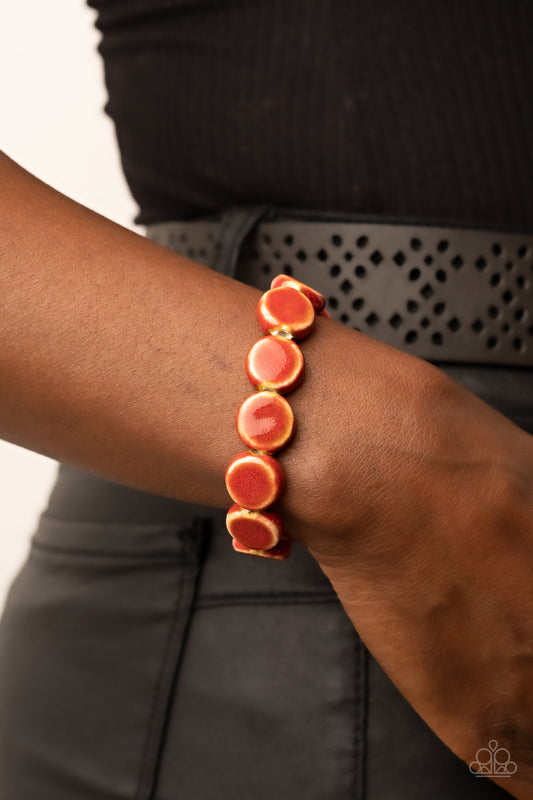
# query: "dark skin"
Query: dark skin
414,496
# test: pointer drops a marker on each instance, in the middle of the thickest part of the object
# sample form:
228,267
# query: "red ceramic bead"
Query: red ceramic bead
256,530
275,363
254,480
265,421
318,300
286,310
279,552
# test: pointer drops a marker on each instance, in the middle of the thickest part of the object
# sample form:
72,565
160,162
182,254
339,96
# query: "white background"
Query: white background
52,122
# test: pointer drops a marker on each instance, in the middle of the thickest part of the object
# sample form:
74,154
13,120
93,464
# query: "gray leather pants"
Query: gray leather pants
140,657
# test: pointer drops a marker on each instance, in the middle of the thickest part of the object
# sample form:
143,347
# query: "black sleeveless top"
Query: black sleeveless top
401,108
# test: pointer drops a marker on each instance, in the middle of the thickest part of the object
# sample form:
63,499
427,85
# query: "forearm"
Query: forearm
125,359
115,354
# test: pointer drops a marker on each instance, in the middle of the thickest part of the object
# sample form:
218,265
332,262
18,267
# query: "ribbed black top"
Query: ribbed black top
396,108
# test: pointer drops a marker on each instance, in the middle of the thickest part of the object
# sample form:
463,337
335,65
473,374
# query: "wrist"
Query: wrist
357,414
388,442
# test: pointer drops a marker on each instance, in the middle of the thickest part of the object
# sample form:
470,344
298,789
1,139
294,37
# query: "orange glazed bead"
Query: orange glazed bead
286,310
255,530
318,300
279,552
275,363
265,421
254,480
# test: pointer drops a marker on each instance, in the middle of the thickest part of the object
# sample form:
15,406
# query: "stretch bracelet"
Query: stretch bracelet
265,420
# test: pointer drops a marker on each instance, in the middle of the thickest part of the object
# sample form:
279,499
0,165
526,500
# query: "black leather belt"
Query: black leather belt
440,293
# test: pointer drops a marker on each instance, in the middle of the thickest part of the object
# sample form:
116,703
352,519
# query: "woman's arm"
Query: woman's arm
414,495
115,354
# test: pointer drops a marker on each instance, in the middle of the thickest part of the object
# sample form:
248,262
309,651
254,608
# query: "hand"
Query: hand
416,499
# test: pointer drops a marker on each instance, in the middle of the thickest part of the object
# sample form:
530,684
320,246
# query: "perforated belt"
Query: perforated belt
443,294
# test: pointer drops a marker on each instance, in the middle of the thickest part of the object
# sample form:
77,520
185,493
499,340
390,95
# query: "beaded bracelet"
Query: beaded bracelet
265,420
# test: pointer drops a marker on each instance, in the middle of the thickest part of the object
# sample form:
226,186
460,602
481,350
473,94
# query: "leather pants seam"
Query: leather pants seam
267,601
360,689
166,679
112,554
